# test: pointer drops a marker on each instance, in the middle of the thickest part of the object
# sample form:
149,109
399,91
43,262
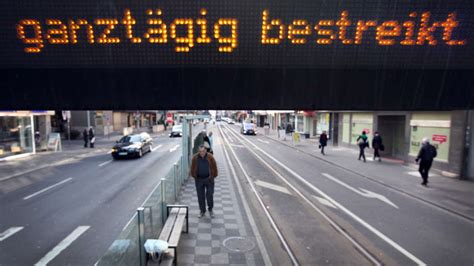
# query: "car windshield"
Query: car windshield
128,139
248,126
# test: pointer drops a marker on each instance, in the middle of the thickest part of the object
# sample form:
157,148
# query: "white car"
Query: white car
177,131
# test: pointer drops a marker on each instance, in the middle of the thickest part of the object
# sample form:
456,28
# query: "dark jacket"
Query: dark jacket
212,166
91,133
323,139
198,141
427,153
364,143
377,142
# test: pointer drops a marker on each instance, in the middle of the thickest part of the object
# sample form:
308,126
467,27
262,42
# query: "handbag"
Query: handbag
320,146
382,147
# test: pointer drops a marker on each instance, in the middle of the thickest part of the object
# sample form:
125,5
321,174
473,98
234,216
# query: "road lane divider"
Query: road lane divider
156,148
336,226
263,141
174,148
62,245
9,232
339,206
105,163
46,189
363,192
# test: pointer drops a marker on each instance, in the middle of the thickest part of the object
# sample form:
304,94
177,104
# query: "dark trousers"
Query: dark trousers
322,148
376,152
205,191
424,169
92,144
85,143
361,153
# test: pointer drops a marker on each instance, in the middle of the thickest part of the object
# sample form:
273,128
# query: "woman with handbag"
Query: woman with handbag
363,143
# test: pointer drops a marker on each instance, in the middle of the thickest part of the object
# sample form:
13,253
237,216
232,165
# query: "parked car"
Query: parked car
248,129
176,131
135,145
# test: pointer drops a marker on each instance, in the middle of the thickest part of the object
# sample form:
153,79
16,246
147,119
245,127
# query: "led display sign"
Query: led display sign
304,33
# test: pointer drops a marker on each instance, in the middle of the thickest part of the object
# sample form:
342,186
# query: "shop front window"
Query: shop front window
15,135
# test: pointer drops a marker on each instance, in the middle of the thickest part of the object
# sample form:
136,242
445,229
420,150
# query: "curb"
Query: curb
471,219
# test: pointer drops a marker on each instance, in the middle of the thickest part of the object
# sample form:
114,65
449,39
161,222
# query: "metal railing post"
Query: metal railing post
183,173
163,200
175,178
141,235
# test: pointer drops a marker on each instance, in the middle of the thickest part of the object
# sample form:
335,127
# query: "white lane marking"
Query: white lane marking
104,163
324,202
237,145
48,188
174,148
344,209
157,147
365,193
417,174
266,257
63,245
272,186
9,232
263,141
310,203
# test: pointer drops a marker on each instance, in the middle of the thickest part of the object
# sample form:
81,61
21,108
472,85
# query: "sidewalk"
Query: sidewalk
226,239
71,150
453,195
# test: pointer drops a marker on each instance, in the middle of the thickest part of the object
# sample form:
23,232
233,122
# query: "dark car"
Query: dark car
176,131
135,145
248,129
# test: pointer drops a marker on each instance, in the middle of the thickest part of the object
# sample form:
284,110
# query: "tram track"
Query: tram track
226,132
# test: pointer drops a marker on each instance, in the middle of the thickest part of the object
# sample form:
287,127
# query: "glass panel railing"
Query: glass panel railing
153,214
170,190
125,249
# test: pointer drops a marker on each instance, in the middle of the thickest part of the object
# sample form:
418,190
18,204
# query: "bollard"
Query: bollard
141,235
163,200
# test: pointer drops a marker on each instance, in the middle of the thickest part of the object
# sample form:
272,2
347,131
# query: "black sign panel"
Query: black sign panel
299,54
301,33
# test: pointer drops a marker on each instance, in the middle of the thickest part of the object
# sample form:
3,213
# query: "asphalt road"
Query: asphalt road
79,208
391,227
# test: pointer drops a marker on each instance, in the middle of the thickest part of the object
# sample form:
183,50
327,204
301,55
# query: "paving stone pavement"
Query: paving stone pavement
204,244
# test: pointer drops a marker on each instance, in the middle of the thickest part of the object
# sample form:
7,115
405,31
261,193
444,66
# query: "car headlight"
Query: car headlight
114,150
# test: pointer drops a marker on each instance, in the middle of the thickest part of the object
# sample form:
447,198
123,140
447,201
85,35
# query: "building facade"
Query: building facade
23,132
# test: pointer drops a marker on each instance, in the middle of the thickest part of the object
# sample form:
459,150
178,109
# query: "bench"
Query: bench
171,232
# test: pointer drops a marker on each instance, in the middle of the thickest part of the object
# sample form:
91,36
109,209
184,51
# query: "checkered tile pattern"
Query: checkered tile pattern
204,242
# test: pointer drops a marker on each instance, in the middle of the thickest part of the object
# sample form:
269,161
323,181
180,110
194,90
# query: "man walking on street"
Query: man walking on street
204,172
377,145
323,141
425,157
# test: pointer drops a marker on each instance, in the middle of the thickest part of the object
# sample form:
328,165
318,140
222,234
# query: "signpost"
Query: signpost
54,142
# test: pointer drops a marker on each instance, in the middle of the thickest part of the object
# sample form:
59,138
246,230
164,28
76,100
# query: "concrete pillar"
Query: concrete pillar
456,148
468,169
